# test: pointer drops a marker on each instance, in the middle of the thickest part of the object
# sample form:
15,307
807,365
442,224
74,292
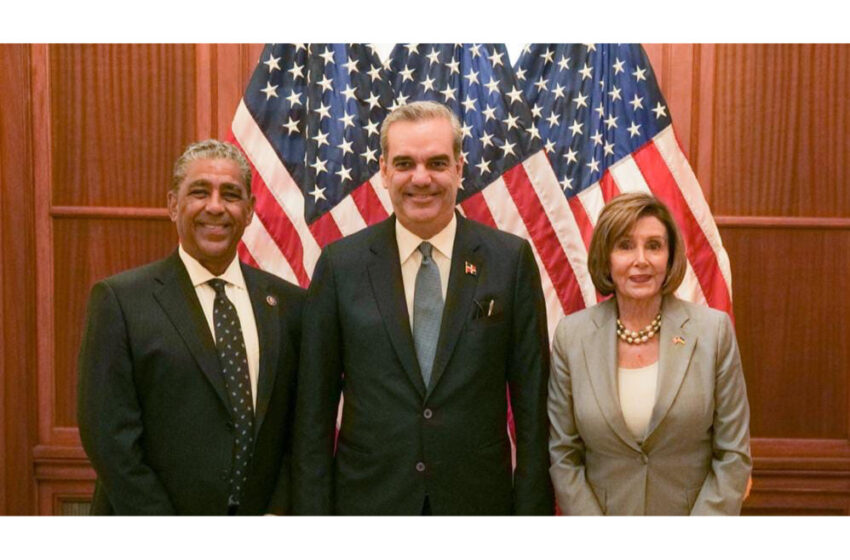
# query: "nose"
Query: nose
640,256
215,203
421,177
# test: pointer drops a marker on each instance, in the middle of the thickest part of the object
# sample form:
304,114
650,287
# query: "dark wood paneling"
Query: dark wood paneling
792,298
120,115
17,307
782,130
85,251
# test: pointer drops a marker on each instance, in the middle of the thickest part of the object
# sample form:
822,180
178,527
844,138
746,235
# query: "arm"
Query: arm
722,493
319,386
566,448
528,371
109,414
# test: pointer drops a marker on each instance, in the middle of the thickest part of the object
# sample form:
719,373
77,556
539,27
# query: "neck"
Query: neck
637,314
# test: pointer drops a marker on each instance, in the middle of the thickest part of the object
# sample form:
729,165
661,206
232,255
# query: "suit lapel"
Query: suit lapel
600,355
388,291
459,297
179,302
675,350
268,334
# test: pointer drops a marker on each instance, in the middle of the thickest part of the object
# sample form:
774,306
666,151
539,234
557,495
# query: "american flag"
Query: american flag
546,141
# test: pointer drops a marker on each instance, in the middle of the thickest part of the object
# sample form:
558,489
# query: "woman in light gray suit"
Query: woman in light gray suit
647,402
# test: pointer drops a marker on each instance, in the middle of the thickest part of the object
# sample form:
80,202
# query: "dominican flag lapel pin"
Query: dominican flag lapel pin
678,340
470,269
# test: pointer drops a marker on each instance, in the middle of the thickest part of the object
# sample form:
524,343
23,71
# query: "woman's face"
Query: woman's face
639,260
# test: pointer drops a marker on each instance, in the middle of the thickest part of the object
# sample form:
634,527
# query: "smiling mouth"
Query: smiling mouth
214,228
641,278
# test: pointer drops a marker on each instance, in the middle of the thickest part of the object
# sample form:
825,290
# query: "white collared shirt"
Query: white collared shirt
411,258
237,293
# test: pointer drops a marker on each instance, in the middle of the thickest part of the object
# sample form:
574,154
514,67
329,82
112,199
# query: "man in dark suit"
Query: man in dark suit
187,367
422,322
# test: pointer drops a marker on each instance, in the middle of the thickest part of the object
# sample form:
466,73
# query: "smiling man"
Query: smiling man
423,323
187,366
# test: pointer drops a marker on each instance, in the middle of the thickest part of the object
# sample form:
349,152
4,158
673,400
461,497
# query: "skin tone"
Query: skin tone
638,269
211,208
422,174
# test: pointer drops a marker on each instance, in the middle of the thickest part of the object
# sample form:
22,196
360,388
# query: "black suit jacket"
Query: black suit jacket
152,407
399,440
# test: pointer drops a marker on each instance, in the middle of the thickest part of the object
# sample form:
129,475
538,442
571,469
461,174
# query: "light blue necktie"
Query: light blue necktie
427,311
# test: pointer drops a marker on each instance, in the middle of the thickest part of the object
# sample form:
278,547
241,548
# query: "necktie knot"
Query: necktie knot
425,249
217,285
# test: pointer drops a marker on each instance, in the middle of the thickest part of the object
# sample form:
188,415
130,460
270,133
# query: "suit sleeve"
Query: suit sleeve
528,372
723,490
566,448
109,414
319,387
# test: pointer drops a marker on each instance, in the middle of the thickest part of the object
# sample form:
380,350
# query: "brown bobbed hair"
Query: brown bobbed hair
616,220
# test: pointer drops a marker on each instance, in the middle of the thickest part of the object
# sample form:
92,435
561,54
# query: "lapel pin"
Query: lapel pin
470,269
271,300
678,340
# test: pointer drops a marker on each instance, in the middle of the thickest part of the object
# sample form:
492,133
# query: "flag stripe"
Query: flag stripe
368,203
347,215
266,252
476,209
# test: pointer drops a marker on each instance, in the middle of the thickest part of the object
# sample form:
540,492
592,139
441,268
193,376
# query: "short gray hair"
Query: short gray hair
420,111
210,149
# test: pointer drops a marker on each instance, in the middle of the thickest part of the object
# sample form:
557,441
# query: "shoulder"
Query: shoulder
702,316
351,247
577,325
135,278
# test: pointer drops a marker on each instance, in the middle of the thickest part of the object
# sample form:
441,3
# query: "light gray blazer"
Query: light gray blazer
695,458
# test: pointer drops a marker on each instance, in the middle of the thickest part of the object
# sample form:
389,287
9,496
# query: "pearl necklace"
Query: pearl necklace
641,336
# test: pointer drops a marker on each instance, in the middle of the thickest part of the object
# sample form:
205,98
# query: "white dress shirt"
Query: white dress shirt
637,397
411,258
237,293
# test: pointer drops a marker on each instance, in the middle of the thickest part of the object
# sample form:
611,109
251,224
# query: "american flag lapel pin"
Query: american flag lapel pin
470,269
678,340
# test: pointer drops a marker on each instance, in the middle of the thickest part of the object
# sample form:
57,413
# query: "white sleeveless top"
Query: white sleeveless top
637,397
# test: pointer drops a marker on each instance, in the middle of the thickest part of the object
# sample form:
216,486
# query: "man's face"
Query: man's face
211,208
421,174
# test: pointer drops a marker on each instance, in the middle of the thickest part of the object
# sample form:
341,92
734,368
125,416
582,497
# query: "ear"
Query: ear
172,205
460,163
251,202
383,167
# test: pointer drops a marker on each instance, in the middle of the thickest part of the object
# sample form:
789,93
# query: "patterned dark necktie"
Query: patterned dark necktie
427,311
234,367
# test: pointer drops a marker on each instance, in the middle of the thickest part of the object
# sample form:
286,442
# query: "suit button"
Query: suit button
427,414
420,466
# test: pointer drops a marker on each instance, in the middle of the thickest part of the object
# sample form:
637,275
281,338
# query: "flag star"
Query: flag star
618,66
564,63
496,58
318,193
347,120
466,131
537,111
269,90
514,95
475,50
611,122
489,113
319,166
328,55
550,146
427,84
597,138
433,56
511,122
486,139
321,139
492,85
349,92
344,173
520,74
660,111
296,71
324,110
375,73
372,128
345,146
609,149
532,130
469,104
483,167
571,156
576,127
399,101
553,119
639,73
541,84
300,46
369,155
272,63
508,148
373,101
453,67
472,77
351,66
526,49
406,74
291,126
548,56
593,165
591,47
636,103
615,93
413,48
634,130
580,100
600,109
448,93
558,92
566,183
294,98
586,71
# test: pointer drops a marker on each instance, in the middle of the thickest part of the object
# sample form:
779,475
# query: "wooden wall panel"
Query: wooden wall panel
782,130
87,250
120,115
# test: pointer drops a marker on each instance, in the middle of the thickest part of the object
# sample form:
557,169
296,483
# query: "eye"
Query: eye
198,192
439,164
624,244
402,165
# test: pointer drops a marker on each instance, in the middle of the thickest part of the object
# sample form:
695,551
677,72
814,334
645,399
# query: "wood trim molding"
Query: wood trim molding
801,455
107,212
782,222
